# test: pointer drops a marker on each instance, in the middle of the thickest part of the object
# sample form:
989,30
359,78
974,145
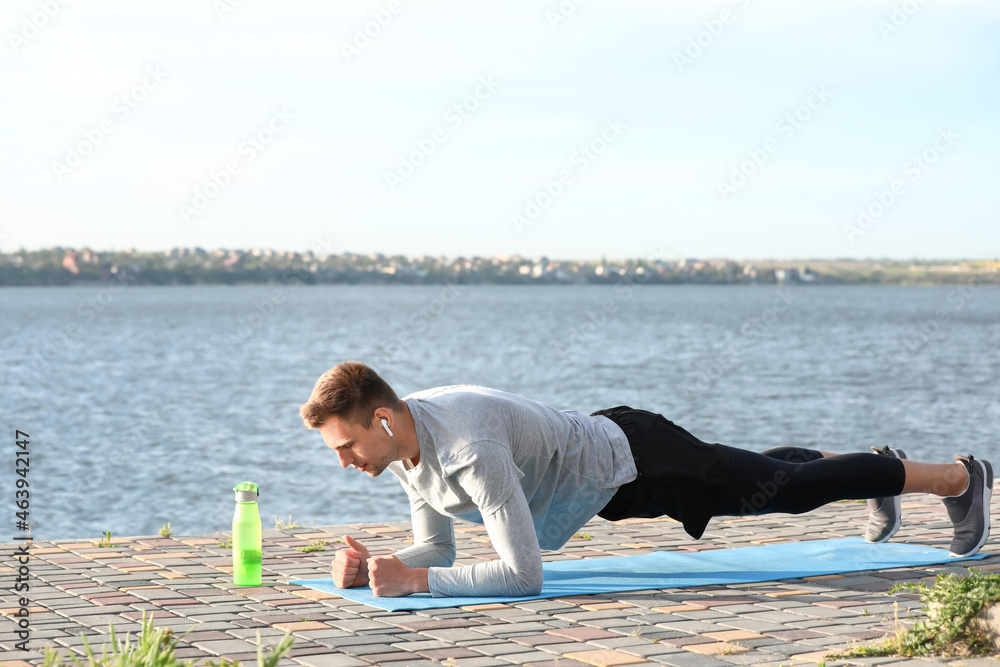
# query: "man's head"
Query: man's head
347,405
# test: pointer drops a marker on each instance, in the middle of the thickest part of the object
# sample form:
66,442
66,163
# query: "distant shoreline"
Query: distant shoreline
91,284
182,266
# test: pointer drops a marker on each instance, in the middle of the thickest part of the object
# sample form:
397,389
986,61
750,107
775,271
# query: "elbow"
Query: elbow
532,587
530,582
448,554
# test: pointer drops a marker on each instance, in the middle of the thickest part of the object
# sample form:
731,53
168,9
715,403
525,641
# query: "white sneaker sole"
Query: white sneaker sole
987,496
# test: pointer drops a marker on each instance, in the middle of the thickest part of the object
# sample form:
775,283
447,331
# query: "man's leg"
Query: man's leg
795,454
884,513
760,484
783,480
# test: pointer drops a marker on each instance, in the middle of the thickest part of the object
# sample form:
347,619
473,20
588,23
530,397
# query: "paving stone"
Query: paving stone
688,659
455,635
717,648
511,628
364,650
689,640
420,626
388,657
352,640
565,647
618,641
226,646
539,639
699,626
481,661
658,617
442,654
415,646
592,615
788,649
823,641
355,625
792,635
647,649
501,648
582,634
208,635
605,658
331,660
762,627
773,616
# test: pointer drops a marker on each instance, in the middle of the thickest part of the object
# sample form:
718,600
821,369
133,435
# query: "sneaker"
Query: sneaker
885,514
970,512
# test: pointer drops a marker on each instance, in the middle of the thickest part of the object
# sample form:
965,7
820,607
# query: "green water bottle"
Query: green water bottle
246,536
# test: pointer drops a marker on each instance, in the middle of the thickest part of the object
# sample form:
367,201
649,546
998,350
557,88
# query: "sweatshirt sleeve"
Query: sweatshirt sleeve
433,536
491,479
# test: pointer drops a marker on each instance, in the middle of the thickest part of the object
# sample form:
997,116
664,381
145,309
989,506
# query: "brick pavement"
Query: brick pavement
185,582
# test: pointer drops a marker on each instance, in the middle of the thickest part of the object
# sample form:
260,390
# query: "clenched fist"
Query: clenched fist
350,565
389,577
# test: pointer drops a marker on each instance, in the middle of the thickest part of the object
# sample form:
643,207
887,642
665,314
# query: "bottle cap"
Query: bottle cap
246,492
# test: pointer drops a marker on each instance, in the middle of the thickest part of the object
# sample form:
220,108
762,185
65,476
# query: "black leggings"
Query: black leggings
797,480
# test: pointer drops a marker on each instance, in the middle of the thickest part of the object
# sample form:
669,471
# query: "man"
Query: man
533,475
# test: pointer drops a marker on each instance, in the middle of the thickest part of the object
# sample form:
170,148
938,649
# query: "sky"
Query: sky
571,129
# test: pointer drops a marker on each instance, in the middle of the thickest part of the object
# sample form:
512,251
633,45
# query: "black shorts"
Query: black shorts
679,475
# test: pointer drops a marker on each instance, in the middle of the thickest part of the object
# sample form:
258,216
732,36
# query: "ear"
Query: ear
379,415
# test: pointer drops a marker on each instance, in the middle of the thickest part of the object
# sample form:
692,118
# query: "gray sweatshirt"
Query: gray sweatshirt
533,475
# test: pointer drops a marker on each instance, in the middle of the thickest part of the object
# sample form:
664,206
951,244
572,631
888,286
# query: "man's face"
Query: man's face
371,450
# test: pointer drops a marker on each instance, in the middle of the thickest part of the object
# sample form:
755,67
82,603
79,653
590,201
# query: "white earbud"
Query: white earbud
385,425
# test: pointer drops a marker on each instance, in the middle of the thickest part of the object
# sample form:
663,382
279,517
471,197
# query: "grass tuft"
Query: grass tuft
105,542
729,650
316,545
154,647
166,530
283,525
950,628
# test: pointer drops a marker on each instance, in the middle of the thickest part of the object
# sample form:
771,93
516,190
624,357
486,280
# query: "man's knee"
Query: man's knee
793,454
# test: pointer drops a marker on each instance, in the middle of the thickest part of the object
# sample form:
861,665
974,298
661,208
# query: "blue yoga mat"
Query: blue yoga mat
673,569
